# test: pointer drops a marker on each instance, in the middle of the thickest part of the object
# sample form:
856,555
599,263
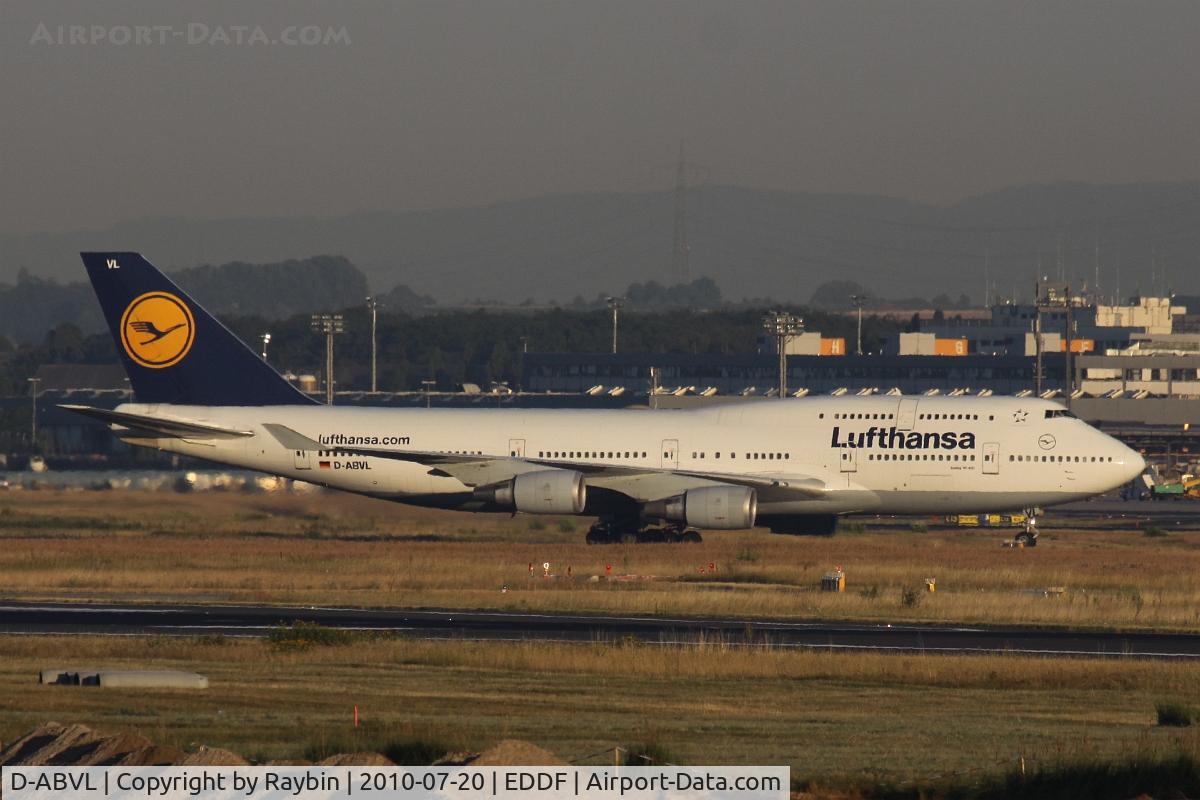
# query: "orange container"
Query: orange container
950,347
833,347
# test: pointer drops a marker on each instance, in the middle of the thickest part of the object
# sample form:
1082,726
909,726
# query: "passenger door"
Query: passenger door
670,454
303,459
516,448
849,459
991,458
906,414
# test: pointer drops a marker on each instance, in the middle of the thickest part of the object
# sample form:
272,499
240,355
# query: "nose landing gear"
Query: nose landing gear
1029,536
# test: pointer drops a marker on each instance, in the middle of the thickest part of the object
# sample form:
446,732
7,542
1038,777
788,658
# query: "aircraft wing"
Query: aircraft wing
163,427
641,483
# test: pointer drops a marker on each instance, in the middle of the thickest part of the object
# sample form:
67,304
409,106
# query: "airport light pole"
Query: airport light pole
373,307
329,325
33,393
615,304
783,326
266,340
858,300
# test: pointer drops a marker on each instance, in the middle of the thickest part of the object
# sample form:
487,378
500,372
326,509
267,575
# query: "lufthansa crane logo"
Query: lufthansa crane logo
1046,441
157,330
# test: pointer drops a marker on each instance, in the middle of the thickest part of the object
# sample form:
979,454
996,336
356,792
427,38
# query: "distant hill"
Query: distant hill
753,243
278,290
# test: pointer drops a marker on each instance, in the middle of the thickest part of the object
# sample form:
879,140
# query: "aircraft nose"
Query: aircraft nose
1134,463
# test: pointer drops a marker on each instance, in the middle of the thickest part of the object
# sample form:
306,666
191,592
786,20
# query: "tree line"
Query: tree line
453,347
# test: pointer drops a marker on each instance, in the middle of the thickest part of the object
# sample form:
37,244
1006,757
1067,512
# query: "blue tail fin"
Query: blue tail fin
174,350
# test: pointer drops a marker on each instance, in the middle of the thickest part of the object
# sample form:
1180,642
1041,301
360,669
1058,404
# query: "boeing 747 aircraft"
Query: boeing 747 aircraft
794,466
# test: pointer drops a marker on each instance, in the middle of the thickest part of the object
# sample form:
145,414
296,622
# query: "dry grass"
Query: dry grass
339,549
836,718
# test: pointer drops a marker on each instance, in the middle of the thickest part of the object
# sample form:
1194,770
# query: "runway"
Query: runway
195,620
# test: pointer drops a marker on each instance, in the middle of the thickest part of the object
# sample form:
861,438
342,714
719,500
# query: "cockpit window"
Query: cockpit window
1051,413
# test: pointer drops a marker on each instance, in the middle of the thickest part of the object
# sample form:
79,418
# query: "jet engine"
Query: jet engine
552,491
711,507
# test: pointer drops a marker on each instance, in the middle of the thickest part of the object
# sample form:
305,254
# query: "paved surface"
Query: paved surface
1183,513
193,620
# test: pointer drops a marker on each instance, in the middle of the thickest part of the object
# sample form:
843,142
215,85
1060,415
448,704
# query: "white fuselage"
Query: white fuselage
880,454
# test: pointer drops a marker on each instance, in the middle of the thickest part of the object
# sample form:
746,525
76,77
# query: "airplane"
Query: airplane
794,466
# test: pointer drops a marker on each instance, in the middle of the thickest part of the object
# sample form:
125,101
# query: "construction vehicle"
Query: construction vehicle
1188,486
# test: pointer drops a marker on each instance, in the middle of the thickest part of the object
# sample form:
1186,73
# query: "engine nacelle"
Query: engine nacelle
552,491
713,507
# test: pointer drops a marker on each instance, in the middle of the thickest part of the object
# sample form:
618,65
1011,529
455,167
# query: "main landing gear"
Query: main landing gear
635,531
1029,536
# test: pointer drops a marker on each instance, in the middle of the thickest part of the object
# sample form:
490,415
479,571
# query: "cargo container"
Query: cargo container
833,347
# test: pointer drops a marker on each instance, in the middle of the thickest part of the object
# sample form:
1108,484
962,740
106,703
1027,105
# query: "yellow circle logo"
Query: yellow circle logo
157,330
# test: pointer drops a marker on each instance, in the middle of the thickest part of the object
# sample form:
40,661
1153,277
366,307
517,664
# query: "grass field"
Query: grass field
840,720
332,548
837,719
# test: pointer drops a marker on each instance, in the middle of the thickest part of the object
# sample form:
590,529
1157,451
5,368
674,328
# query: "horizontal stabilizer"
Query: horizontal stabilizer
163,426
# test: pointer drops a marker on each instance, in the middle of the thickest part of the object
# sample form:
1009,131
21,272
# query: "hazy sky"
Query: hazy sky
444,103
